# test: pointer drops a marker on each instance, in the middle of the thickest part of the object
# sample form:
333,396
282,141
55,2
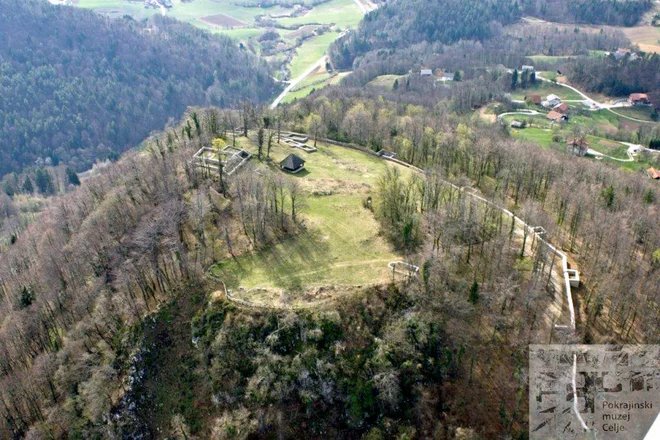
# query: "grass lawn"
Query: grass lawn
118,8
386,81
549,58
343,13
540,136
642,112
309,89
341,244
310,51
545,88
608,147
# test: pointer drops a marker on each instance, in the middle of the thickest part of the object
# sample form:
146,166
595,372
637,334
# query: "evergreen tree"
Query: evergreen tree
395,86
514,80
27,297
474,293
72,177
649,197
608,196
44,181
27,185
8,188
260,142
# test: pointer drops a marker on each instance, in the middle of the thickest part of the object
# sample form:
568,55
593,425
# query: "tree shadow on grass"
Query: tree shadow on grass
283,263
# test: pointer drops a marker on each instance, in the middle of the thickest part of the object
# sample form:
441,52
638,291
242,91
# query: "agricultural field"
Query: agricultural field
340,244
646,37
342,13
310,52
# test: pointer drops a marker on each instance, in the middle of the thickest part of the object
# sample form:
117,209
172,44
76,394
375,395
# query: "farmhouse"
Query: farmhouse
561,108
534,98
517,124
551,101
387,154
426,72
292,164
528,68
639,99
622,52
653,173
556,117
580,145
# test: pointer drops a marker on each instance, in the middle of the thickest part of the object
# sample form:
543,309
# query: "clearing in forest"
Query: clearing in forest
223,21
340,244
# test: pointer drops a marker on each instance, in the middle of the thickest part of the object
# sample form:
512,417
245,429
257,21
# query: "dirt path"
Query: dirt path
296,81
366,6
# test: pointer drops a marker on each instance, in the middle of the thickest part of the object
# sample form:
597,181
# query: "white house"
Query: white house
530,68
551,101
426,72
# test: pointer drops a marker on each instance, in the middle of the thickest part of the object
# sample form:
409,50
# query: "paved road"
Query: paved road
293,83
522,112
594,105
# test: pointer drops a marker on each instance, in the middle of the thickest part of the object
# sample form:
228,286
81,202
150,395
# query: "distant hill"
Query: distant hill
403,23
75,86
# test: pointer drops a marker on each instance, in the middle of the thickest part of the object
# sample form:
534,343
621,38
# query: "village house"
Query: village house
639,99
528,68
447,76
426,72
551,101
653,173
556,117
561,108
579,145
292,164
622,52
533,98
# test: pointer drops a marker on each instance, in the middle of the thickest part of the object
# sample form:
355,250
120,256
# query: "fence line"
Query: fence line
516,219
530,229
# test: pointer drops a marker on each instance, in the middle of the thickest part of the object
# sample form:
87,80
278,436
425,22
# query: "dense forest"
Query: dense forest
404,23
113,326
76,86
617,77
618,12
97,326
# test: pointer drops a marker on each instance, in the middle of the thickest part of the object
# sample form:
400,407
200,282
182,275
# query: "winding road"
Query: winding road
594,105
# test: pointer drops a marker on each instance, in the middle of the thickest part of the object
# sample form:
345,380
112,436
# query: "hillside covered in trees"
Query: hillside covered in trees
616,77
404,23
113,328
76,86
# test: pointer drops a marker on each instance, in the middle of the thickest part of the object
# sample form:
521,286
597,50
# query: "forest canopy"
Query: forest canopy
76,86
403,23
